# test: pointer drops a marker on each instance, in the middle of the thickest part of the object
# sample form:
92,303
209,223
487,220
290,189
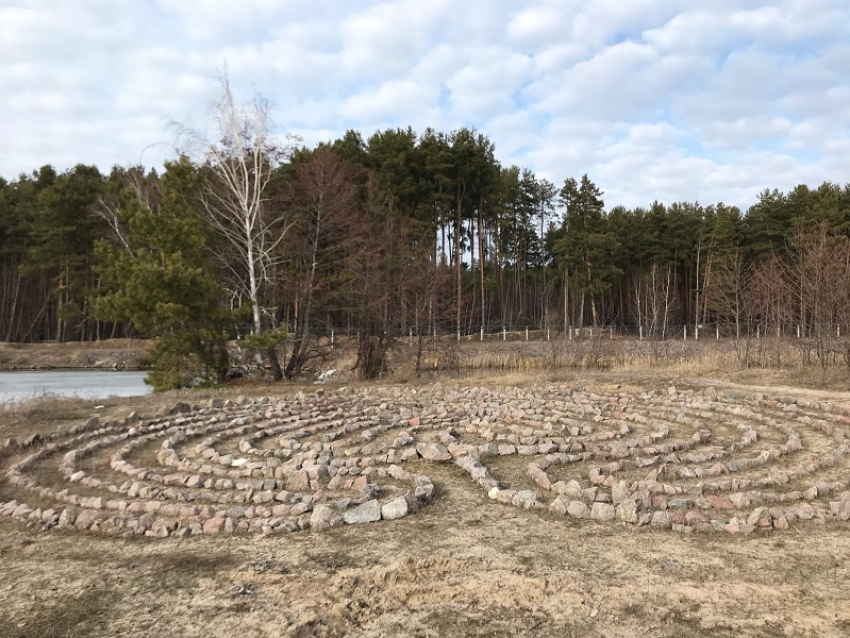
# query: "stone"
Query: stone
397,508
696,519
578,509
805,511
321,516
559,505
661,518
213,525
21,510
680,503
301,508
627,510
368,512
719,502
424,493
526,499
263,497
543,480
620,492
86,519
602,512
298,482
840,510
433,451
760,517
180,408
574,491
162,527
506,496
740,500
67,518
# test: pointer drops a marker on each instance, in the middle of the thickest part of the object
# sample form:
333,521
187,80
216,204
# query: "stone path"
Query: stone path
682,460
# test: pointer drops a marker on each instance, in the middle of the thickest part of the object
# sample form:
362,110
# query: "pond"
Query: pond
85,384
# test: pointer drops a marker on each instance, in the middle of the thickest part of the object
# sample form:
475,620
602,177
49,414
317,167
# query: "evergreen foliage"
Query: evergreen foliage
396,234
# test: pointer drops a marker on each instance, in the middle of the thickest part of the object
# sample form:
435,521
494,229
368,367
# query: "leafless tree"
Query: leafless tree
321,197
238,162
822,267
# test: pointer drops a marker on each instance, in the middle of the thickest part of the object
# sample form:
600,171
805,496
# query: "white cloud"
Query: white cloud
654,99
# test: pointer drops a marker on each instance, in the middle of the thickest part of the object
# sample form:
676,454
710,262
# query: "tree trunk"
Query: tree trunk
458,263
481,260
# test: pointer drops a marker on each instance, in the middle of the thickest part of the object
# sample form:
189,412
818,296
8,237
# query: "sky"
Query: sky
668,100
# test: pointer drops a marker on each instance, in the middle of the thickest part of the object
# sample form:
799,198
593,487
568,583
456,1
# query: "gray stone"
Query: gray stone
397,508
301,508
627,511
620,492
574,491
680,503
433,451
526,499
369,512
602,512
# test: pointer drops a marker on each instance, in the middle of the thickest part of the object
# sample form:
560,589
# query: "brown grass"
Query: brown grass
123,354
464,565
64,616
748,361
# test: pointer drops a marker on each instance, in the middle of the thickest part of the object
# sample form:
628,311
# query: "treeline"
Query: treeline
396,234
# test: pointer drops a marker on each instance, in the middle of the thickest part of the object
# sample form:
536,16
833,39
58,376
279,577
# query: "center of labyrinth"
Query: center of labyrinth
686,460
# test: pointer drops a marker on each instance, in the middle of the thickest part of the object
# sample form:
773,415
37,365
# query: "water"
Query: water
85,384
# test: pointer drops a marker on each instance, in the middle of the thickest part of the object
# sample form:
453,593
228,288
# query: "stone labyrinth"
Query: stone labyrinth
682,460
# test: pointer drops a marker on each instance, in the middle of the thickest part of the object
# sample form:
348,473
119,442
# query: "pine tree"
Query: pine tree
158,276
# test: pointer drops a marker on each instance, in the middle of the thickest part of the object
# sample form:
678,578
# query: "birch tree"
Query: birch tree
239,160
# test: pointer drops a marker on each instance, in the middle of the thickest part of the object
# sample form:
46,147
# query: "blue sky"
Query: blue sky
654,99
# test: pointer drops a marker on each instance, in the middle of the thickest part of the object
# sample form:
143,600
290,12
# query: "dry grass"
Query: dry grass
65,616
747,360
120,354
103,344
464,565
42,414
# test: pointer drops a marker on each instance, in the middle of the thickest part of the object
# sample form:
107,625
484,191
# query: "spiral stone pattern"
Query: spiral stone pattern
686,460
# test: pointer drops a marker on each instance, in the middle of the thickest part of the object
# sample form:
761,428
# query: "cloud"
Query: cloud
654,99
